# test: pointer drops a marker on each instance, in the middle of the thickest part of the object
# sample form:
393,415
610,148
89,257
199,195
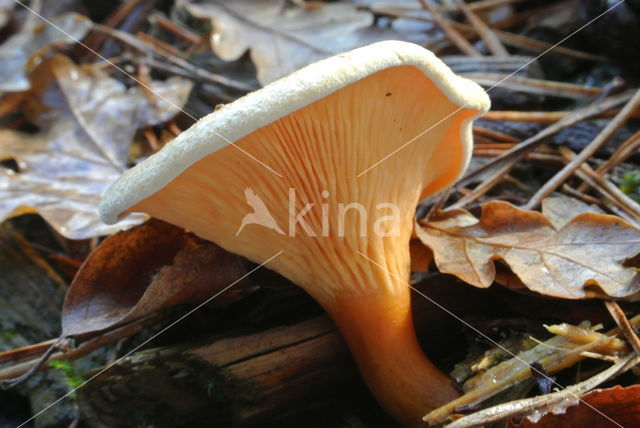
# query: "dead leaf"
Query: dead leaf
142,270
284,37
597,408
589,250
560,209
88,121
30,42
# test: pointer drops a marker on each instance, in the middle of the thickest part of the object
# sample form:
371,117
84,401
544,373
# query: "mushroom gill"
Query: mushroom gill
342,226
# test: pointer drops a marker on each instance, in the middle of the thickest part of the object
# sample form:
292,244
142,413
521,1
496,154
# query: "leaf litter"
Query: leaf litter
87,123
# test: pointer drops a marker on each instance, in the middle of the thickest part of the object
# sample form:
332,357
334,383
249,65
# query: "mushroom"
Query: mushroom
329,163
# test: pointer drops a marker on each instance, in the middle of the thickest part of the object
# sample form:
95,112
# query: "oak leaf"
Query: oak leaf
144,269
585,258
283,38
87,123
33,40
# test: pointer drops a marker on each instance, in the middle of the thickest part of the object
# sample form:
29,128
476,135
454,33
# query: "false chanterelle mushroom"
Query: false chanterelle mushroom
328,165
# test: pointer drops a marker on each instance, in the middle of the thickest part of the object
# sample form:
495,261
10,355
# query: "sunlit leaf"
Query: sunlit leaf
584,258
88,121
16,52
282,37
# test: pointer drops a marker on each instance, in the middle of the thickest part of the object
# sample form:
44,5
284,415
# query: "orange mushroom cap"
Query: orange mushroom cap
327,165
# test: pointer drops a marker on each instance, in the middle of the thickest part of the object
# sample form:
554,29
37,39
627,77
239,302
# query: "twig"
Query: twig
621,154
486,185
507,38
524,116
180,31
145,47
482,4
29,351
503,164
623,323
533,45
570,191
528,405
586,153
537,157
496,135
534,86
37,365
611,192
456,38
484,31
32,366
150,40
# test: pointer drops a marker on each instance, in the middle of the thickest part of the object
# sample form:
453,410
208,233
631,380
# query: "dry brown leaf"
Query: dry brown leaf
596,409
87,121
142,270
283,37
561,209
16,52
589,250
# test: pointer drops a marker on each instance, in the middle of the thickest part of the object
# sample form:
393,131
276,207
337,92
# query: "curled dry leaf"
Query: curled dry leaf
142,270
283,37
87,123
613,407
585,258
16,52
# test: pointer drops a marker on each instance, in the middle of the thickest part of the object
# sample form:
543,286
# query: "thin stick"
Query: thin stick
586,153
496,135
623,323
482,4
504,163
623,152
533,45
570,191
180,31
534,86
485,186
456,38
148,48
537,157
486,33
82,349
604,186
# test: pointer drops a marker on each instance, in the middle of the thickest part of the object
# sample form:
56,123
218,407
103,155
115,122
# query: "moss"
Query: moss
631,185
72,377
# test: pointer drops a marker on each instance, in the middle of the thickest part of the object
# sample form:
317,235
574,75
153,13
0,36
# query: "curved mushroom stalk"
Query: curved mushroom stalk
379,331
298,179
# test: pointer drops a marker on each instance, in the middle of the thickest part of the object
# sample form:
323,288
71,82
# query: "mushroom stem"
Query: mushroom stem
379,331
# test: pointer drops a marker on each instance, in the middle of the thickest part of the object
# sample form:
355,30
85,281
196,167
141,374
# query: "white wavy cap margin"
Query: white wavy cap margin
278,99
